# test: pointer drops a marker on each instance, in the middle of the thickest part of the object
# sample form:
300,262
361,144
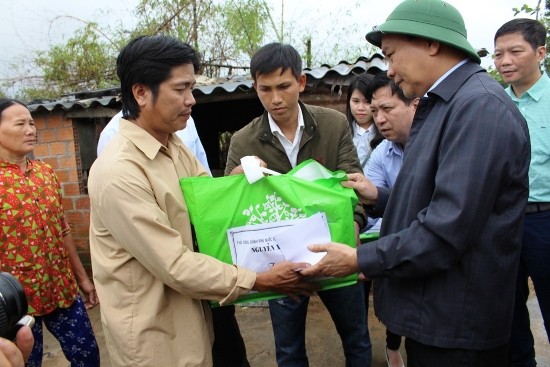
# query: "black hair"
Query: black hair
149,60
275,56
361,83
5,103
533,31
381,80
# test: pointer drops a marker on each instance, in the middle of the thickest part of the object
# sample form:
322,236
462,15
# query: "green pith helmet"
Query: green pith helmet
432,19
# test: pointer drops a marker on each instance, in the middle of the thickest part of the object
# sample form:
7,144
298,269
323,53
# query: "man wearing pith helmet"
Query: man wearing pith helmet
446,263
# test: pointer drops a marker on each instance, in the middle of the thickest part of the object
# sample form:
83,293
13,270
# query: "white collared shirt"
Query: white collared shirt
189,136
361,139
291,147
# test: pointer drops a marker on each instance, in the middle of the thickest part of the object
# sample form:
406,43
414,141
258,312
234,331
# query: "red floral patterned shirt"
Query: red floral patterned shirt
32,226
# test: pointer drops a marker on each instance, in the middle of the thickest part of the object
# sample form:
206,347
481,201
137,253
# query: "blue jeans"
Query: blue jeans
535,263
346,306
73,330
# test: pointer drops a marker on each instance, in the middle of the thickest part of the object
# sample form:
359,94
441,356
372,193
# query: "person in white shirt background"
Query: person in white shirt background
189,136
363,130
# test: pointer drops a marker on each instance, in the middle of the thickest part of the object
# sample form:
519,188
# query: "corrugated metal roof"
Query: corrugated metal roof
343,68
210,86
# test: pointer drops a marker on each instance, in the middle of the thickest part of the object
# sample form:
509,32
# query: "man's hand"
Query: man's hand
15,355
340,260
285,278
88,293
239,169
365,189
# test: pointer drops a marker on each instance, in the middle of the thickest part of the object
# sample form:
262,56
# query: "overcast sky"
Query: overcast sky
29,25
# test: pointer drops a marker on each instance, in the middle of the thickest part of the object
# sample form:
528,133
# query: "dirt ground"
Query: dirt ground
323,344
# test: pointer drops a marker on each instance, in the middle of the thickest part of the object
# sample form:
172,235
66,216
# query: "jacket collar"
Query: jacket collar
143,140
310,126
452,83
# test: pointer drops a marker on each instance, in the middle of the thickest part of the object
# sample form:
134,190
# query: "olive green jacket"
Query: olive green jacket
326,138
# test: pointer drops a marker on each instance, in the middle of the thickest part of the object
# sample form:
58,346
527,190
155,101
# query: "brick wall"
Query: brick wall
58,146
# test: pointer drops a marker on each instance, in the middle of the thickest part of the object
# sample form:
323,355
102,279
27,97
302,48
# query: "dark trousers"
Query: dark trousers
534,264
421,355
228,349
393,341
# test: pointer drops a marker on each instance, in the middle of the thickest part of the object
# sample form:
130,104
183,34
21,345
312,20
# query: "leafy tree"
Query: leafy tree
226,33
246,24
84,62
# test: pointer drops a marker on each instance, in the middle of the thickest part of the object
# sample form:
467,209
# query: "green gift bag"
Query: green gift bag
218,204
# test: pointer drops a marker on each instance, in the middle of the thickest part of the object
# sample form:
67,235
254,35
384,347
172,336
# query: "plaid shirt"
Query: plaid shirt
32,226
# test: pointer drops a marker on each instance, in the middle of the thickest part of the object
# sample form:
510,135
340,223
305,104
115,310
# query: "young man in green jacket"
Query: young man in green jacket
288,133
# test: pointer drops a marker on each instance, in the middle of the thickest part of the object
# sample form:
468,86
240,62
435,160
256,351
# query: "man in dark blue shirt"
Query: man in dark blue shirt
445,266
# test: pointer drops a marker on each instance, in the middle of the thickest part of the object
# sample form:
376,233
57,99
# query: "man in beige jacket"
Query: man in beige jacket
149,280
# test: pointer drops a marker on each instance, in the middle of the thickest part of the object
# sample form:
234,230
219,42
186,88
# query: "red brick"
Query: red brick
52,161
40,150
58,148
82,230
72,175
39,122
46,136
70,148
67,161
54,121
70,189
65,134
62,175
82,202
68,203
74,217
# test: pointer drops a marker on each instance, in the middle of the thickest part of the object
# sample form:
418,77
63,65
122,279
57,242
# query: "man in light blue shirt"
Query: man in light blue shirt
393,115
189,136
519,50
385,163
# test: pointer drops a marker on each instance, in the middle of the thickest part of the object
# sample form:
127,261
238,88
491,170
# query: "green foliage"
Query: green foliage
84,62
178,18
495,74
246,24
225,32
525,9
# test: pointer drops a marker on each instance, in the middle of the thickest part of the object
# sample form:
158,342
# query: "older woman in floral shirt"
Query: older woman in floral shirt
36,245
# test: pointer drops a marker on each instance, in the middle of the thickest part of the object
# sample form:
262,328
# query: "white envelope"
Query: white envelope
294,240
